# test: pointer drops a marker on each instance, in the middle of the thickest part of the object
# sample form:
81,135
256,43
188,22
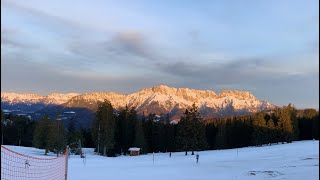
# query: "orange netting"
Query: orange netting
15,165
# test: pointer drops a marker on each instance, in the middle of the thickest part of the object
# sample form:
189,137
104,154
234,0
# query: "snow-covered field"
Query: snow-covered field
297,160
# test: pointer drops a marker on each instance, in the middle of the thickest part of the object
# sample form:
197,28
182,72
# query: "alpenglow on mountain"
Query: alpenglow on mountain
159,100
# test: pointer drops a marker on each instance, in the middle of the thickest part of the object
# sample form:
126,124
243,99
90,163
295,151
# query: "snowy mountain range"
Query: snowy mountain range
159,100
14,98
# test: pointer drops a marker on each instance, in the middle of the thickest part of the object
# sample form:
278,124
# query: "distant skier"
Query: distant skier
197,156
170,154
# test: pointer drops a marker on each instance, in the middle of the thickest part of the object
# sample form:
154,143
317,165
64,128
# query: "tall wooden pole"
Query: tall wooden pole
66,165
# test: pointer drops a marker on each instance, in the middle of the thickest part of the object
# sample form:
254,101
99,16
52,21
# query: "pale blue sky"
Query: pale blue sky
267,47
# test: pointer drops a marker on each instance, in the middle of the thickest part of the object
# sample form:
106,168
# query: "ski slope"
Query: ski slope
294,161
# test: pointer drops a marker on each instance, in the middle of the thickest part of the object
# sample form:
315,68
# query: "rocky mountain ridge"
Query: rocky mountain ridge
159,100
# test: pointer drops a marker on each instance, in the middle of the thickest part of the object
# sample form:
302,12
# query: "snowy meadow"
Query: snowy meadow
295,161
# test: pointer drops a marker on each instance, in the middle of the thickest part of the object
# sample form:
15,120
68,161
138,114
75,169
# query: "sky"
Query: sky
270,48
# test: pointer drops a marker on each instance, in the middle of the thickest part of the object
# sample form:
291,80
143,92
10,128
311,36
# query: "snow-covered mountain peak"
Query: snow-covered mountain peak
185,93
238,94
15,97
158,99
59,95
54,98
98,96
58,98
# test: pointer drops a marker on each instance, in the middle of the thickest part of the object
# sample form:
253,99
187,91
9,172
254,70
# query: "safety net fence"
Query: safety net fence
15,165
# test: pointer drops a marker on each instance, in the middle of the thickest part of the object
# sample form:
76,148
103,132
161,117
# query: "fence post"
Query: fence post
66,165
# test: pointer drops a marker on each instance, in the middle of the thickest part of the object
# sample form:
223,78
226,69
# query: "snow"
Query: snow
167,98
294,161
54,98
134,149
70,112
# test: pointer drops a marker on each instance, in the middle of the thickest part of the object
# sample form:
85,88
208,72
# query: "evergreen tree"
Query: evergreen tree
162,137
285,125
122,130
87,137
191,131
171,137
57,140
294,121
132,120
139,140
271,131
155,135
152,130
73,137
41,134
221,137
147,129
229,131
103,129
125,131
259,129
211,133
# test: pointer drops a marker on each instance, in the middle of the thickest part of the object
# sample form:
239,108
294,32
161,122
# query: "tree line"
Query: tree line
113,132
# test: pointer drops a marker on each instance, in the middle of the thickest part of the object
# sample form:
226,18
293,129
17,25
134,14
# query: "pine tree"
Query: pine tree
171,137
41,134
125,130
103,128
285,125
259,131
73,137
147,129
221,137
57,140
139,140
122,121
191,131
271,131
132,120
211,132
294,121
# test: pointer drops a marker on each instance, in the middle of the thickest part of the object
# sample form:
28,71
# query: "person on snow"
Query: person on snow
197,157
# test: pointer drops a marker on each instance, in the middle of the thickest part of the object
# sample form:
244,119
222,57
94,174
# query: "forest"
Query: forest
112,132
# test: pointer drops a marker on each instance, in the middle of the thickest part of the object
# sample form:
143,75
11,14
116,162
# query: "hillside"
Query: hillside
295,161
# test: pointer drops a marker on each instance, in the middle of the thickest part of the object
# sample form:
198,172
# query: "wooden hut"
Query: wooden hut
134,151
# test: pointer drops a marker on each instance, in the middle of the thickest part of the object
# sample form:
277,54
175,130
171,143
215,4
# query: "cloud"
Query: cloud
7,39
47,51
245,72
130,47
44,79
131,42
61,26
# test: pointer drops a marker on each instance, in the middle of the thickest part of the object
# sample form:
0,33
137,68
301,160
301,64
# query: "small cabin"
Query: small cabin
134,151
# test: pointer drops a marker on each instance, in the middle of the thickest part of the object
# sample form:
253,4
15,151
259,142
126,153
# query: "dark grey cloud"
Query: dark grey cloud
266,79
121,46
44,79
237,73
132,42
232,72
